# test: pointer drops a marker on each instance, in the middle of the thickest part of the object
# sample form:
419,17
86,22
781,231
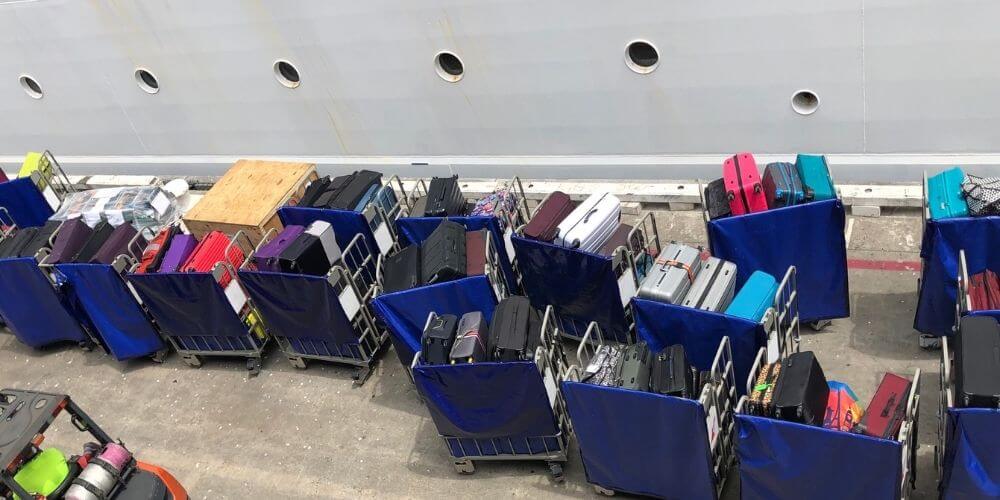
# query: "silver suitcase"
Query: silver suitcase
673,273
713,289
590,224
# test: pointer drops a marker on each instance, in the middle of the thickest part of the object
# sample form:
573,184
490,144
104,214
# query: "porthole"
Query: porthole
641,56
449,67
146,81
805,102
31,87
286,74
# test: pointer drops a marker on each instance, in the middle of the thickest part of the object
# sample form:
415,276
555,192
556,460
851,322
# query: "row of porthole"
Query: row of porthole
640,56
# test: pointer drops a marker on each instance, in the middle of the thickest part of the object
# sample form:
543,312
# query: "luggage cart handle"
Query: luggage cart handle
7,231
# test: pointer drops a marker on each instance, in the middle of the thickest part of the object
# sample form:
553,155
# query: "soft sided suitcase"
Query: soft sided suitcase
402,270
671,373
19,241
756,296
329,191
41,239
70,239
267,258
359,185
714,286
544,224
443,253
815,176
716,200
305,255
156,249
117,244
802,391
761,399
323,231
313,191
470,341
782,185
982,194
743,188
887,409
977,362
633,369
590,224
437,340
181,246
444,198
672,274
102,231
984,291
945,196
516,330
475,252
619,238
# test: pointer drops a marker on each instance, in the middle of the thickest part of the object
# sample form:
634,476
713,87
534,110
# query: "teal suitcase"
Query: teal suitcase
815,175
754,298
944,195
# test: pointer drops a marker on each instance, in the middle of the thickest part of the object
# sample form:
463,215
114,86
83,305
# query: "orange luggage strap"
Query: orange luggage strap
678,264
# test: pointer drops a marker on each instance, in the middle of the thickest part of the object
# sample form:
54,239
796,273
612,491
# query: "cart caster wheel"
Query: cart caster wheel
819,325
87,345
160,356
298,363
360,376
930,342
556,469
192,360
253,366
465,467
603,491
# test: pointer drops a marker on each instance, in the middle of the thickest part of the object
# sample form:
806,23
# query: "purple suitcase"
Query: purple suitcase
267,257
116,245
69,240
180,249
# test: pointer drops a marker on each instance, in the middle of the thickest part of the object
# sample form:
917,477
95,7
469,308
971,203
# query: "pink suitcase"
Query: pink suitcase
746,195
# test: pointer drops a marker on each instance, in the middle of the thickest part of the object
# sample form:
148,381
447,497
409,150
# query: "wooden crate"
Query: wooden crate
248,197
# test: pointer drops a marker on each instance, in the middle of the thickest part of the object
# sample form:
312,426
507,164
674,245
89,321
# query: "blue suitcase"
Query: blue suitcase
815,175
367,198
385,198
782,185
754,298
944,195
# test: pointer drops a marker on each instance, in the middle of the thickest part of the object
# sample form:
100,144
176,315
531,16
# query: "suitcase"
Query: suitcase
385,198
977,362
887,409
590,224
180,248
437,340
328,240
516,330
761,400
714,286
210,251
444,198
743,188
945,196
358,185
756,296
716,200
156,249
671,373
402,270
802,392
632,372
69,241
815,176
18,242
783,186
672,274
313,191
442,254
41,238
117,244
984,291
330,191
367,198
475,252
470,341
305,255
601,368
982,194
544,224
102,231
266,259
619,238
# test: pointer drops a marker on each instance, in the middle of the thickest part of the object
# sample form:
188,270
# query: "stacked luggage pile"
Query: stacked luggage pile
514,335
953,194
638,368
448,254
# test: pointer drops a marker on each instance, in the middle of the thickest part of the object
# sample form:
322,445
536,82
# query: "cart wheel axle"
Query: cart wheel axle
192,360
298,363
253,366
819,325
465,467
604,491
556,469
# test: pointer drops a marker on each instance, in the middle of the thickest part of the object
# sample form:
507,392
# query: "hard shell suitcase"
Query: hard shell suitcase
619,238
544,225
41,239
402,270
743,188
385,199
181,246
117,244
470,341
358,185
102,231
756,296
782,185
977,362
672,274
887,409
305,255
761,399
815,176
156,249
671,373
475,252
210,251
516,330
590,224
802,391
367,198
324,232
444,198
716,200
443,253
945,196
633,370
69,241
714,286
267,258
437,339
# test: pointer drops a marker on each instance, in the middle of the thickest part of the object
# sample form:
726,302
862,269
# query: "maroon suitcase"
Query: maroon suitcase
886,411
116,245
550,213
984,291
475,252
72,235
619,238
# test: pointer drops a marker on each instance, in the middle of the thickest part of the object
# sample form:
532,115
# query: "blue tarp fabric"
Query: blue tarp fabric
405,313
700,332
34,310
972,457
417,229
346,224
809,236
786,460
641,443
299,306
113,311
24,202
188,304
980,238
580,286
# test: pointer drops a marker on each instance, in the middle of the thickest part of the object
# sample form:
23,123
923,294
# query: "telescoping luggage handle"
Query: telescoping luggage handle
7,223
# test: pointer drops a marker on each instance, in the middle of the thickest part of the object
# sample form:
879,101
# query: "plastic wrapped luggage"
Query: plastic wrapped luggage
516,330
977,362
181,246
117,244
756,296
672,274
402,270
305,255
470,340
437,339
982,194
156,249
944,195
743,187
887,409
632,372
716,200
714,286
802,392
782,185
544,224
444,198
671,373
815,176
323,231
70,239
619,238
442,254
267,258
102,231
475,252
590,224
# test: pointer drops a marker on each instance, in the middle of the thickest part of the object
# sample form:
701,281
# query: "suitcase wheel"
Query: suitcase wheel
819,325
603,491
253,366
160,356
756,188
87,345
297,362
730,195
465,467
191,360
555,468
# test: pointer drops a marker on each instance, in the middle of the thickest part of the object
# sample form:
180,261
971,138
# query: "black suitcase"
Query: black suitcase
471,338
305,255
437,339
102,231
402,270
671,373
117,244
313,190
444,198
633,369
357,186
516,330
716,199
17,242
977,362
801,394
41,239
443,253
331,190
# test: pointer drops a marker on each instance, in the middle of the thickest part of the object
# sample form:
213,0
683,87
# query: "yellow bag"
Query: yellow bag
255,324
36,162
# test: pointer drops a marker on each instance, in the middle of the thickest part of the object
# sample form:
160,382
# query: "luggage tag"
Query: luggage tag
234,293
383,237
712,424
548,378
349,301
628,287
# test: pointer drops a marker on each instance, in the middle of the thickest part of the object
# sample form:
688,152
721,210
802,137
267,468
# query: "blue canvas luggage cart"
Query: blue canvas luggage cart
30,201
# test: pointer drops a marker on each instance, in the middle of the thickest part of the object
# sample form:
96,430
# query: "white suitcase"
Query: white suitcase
324,231
590,224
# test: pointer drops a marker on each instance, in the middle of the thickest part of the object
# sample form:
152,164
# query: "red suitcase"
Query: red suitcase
156,249
743,187
886,411
475,252
209,252
984,291
544,224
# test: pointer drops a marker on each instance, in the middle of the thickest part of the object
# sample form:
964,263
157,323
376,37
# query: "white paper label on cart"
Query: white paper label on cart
383,238
50,196
626,286
160,203
712,423
134,293
773,350
550,386
349,301
507,243
236,297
